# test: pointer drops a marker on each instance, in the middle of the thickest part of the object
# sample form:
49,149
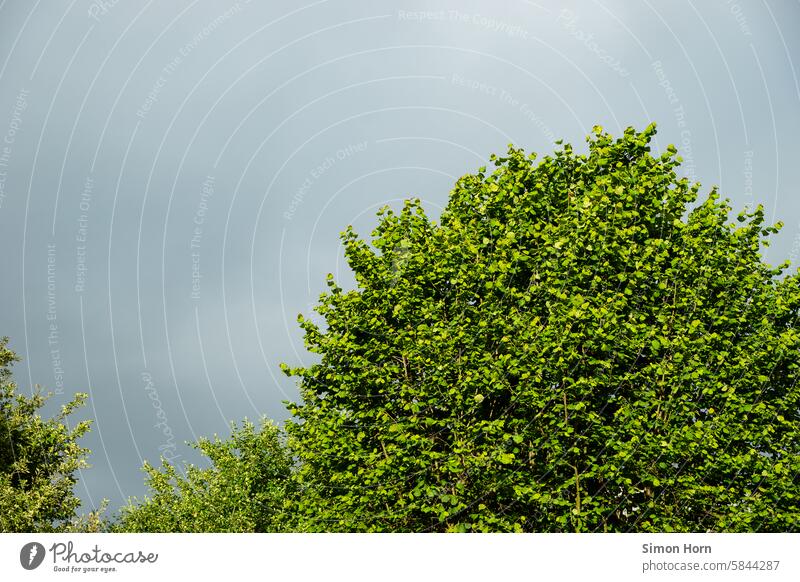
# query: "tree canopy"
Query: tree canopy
38,460
245,489
577,344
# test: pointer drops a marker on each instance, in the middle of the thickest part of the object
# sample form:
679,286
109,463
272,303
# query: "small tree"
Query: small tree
573,347
245,489
38,459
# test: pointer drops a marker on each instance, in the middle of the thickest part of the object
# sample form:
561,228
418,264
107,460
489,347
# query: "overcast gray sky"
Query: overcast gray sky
174,175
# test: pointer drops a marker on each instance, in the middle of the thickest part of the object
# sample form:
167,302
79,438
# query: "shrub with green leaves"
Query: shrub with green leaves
245,489
38,459
577,344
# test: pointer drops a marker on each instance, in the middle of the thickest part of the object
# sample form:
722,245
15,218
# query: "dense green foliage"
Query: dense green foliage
577,345
245,489
38,460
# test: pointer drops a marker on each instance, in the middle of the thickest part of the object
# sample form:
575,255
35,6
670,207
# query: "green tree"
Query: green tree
245,489
38,460
576,345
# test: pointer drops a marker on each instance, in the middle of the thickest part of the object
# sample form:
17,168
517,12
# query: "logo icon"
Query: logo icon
31,555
